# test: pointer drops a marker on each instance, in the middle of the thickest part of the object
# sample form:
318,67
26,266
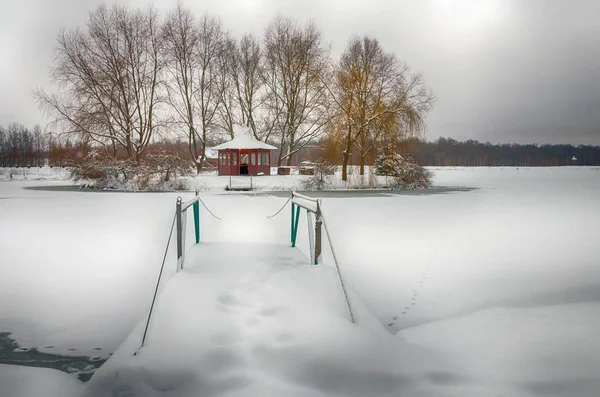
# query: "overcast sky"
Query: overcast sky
502,70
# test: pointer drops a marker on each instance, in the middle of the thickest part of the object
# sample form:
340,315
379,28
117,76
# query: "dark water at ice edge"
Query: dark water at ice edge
365,193
285,193
13,354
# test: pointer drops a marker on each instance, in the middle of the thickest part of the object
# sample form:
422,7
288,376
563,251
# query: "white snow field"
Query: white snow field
487,292
27,381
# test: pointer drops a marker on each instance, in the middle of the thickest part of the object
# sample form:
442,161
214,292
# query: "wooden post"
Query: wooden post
318,223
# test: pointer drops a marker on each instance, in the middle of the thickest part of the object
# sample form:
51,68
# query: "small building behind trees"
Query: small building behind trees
244,155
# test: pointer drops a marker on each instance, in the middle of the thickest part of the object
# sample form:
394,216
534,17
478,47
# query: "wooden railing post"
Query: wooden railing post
318,223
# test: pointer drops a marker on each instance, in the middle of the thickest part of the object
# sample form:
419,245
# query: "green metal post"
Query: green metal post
292,223
196,207
296,226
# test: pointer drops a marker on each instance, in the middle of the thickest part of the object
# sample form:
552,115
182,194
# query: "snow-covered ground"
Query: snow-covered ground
491,291
209,181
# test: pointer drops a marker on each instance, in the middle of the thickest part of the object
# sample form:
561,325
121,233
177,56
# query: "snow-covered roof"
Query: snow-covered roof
211,153
243,139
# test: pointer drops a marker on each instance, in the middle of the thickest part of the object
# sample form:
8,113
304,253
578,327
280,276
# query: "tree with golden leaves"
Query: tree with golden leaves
377,98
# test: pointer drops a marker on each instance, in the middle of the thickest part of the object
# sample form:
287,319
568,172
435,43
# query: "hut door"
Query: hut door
243,162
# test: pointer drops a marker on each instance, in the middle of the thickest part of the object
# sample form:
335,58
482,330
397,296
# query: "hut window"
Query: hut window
234,155
259,159
253,157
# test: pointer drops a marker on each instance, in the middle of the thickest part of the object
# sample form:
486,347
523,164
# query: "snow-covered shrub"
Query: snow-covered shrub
154,172
406,173
318,181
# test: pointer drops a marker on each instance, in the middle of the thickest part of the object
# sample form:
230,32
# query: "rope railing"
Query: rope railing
281,209
162,266
339,271
208,209
314,206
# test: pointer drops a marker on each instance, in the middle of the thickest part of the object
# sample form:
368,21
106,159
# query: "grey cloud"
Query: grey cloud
503,70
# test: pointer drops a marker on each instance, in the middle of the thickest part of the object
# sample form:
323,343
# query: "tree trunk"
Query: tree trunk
346,155
362,163
202,156
289,159
345,166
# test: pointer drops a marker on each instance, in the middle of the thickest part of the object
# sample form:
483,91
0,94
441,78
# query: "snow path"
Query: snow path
256,319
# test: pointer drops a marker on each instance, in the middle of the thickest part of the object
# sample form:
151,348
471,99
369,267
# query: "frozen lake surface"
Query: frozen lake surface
495,270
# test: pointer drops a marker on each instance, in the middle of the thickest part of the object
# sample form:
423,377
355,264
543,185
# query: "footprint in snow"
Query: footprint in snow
229,300
271,311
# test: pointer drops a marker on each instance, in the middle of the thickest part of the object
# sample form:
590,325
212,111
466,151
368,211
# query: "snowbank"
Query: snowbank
547,351
17,381
33,173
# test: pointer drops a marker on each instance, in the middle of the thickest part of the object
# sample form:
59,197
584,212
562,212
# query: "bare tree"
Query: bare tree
110,78
243,88
193,50
297,100
376,95
251,88
181,40
229,110
207,94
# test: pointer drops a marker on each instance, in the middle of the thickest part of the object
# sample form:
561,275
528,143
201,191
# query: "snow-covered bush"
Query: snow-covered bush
318,181
154,172
406,173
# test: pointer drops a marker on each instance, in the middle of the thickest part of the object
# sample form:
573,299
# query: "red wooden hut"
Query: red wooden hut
244,155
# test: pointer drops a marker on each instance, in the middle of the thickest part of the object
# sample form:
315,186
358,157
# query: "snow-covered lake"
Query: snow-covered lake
496,271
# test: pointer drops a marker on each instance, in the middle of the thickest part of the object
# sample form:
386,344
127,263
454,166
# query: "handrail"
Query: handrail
295,194
181,217
189,203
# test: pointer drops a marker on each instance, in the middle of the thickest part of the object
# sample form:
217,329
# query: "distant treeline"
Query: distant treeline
471,153
24,147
